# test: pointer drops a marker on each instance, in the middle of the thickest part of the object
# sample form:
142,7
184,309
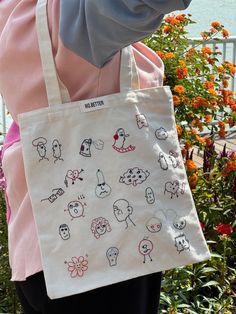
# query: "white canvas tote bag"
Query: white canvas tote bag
106,179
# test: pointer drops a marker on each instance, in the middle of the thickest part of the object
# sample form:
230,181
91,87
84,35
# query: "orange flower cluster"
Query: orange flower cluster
225,33
169,55
181,72
230,166
193,179
216,25
191,166
173,20
206,51
180,89
199,101
208,118
221,131
160,54
176,100
230,66
179,129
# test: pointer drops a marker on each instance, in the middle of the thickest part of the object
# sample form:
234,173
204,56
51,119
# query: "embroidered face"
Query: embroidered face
112,255
154,225
85,148
102,189
76,209
149,195
179,223
161,134
182,243
145,247
100,226
122,210
141,121
64,232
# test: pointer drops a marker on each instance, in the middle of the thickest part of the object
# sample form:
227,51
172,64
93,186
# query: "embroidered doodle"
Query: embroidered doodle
173,158
102,189
76,209
77,266
72,176
134,176
85,148
154,225
145,248
54,196
149,195
100,226
56,151
40,144
174,188
141,121
119,142
163,161
64,231
181,243
112,255
179,223
122,211
161,134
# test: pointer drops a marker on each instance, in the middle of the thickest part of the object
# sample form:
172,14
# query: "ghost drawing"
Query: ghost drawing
112,255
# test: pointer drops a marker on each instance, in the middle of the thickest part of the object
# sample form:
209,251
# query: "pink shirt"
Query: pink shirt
23,89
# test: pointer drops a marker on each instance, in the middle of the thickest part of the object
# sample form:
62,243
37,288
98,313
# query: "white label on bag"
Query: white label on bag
93,105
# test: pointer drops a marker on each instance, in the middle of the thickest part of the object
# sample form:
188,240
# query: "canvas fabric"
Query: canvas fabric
107,182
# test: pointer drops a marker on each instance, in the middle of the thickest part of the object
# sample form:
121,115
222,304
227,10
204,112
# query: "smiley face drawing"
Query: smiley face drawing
102,189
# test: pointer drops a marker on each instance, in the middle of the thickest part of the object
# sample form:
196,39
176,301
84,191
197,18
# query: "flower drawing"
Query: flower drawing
77,266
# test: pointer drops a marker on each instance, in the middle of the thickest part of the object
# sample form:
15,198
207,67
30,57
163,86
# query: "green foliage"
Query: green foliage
8,300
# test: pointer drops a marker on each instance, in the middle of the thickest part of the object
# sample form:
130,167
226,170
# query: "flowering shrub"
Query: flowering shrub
202,102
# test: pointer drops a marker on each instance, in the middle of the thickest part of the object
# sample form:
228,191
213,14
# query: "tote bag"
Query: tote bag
108,186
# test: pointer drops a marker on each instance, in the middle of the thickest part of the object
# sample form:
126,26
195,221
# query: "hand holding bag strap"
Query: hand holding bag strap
55,94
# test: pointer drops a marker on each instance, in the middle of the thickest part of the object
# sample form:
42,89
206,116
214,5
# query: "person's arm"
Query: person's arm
97,29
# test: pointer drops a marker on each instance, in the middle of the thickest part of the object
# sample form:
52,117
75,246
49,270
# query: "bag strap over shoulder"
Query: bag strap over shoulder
56,91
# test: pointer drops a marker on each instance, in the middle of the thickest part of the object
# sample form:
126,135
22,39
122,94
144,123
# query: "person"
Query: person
87,37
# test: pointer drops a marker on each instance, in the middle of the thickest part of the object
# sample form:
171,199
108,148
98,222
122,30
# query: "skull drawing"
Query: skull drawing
112,255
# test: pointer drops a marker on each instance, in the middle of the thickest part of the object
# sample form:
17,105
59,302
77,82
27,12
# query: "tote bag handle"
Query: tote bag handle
56,92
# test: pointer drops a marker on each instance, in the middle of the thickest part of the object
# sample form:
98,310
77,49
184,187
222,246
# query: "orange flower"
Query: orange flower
179,129
180,17
167,29
191,166
169,55
208,140
221,125
230,166
169,18
200,139
208,118
220,69
188,145
225,33
221,133
176,100
225,83
181,72
231,122
211,61
184,99
193,179
206,50
182,63
208,84
179,89
160,54
212,92
199,102
215,24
